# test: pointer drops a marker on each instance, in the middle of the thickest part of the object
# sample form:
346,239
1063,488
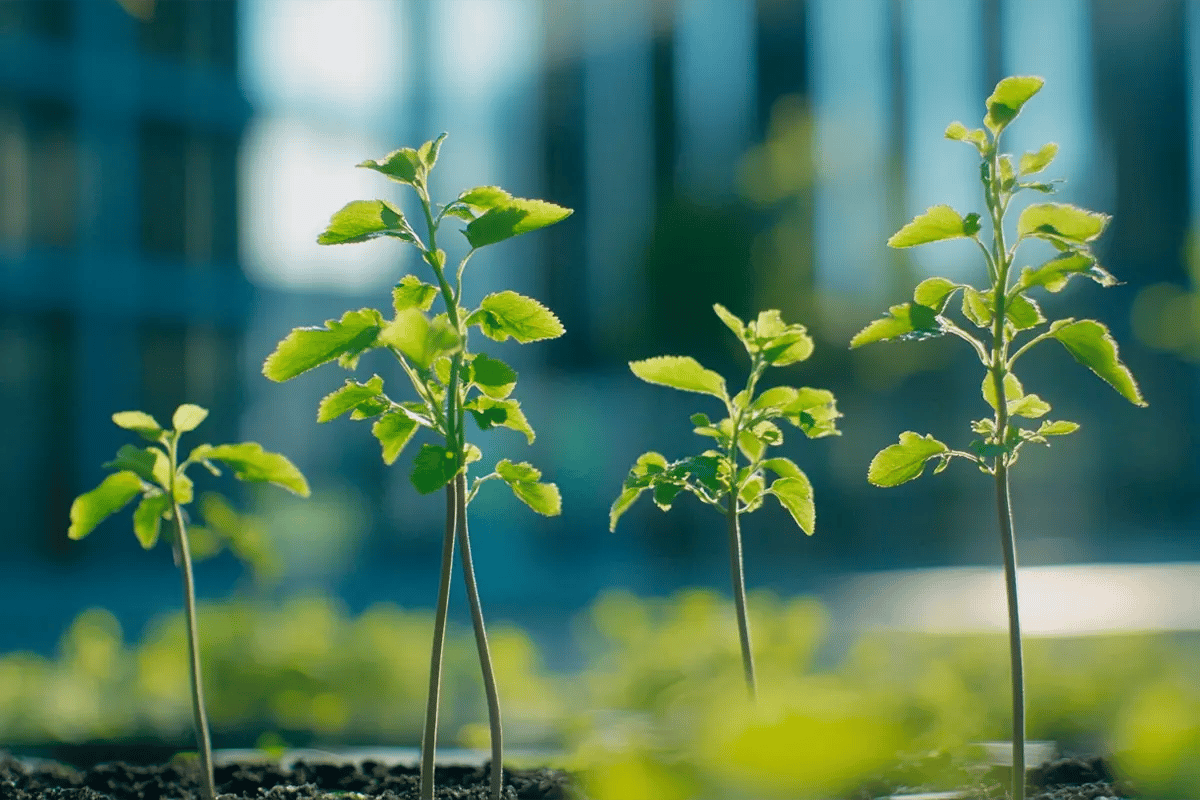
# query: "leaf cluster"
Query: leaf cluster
155,473
448,381
751,426
1004,308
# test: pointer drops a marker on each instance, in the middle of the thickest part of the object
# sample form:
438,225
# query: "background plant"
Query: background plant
716,476
447,378
1003,312
155,473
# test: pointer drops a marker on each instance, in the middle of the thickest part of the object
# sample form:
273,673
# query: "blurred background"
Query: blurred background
166,166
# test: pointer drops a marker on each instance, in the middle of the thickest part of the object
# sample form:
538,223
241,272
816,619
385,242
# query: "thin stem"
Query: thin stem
429,736
1041,337
1008,544
183,556
481,642
739,593
980,351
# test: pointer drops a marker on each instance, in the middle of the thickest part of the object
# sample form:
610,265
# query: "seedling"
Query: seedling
717,476
1003,312
447,378
154,472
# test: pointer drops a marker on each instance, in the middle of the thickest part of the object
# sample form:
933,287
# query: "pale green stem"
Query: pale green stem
481,643
737,577
429,736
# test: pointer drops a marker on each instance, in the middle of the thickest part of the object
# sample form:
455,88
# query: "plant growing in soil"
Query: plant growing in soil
155,473
1003,312
717,476
449,381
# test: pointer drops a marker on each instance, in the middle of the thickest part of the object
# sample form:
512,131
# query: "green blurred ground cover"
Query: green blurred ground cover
660,711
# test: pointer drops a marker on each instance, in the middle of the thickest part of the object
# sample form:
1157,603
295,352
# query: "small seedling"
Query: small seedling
449,381
1003,312
155,473
717,476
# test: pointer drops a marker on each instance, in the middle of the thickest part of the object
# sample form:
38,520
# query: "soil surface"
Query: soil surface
262,781
1070,778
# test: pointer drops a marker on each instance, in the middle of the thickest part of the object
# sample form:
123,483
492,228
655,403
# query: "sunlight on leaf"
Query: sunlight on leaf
899,463
91,508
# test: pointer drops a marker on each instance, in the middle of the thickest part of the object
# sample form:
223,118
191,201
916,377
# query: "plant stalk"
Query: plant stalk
183,552
739,593
481,642
429,736
1008,544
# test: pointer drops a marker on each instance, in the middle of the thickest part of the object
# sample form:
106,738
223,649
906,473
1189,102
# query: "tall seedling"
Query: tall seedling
1002,312
156,474
448,379
718,476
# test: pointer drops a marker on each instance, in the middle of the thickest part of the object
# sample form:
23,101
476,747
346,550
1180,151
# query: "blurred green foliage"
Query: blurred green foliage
660,710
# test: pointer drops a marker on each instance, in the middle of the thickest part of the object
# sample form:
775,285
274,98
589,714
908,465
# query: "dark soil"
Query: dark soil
1069,778
260,781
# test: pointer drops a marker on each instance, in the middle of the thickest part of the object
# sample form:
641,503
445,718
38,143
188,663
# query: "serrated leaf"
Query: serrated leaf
899,463
433,468
250,462
1012,389
512,218
1030,406
403,166
935,293
507,313
306,348
783,467
393,430
1061,221
680,372
1060,427
419,338
977,307
1090,343
493,377
91,508
1006,100
1054,274
790,347
796,495
140,423
188,417
484,198
523,479
774,400
641,475
363,220
958,132
349,397
489,413
1036,162
814,411
732,321
1023,312
938,223
147,518
412,292
904,321
428,152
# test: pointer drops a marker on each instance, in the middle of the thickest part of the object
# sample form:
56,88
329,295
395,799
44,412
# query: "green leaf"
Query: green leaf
493,377
420,339
899,463
1006,100
148,463
935,293
139,422
305,348
349,397
754,442
1036,162
904,321
363,220
412,292
1023,312
512,218
814,411
936,224
1012,389
1054,274
774,400
958,132
783,467
483,198
977,307
505,413
507,313
779,343
680,372
147,518
1061,222
523,479
250,462
1090,343
433,468
665,493
188,417
428,152
641,475
795,493
403,166
393,430
1030,406
1060,427
91,508
731,321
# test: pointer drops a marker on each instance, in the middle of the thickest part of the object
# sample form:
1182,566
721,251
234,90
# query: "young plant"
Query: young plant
449,381
1003,313
717,476
155,473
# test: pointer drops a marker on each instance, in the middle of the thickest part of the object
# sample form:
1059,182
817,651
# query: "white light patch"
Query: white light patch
294,176
484,47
